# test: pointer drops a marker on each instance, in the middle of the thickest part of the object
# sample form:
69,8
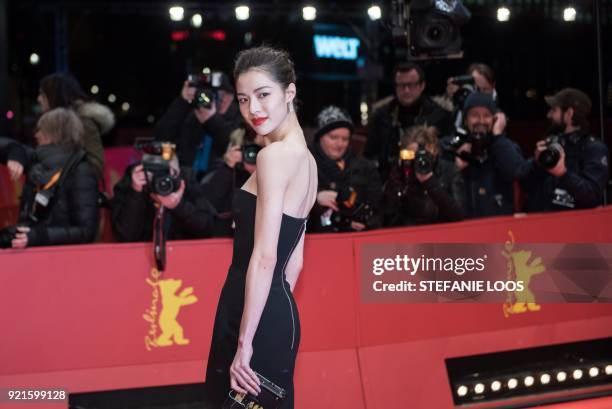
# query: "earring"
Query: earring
290,106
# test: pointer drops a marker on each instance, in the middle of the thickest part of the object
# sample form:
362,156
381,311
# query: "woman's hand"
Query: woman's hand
327,198
21,238
242,377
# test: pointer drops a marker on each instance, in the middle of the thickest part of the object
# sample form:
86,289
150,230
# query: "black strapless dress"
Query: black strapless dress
277,337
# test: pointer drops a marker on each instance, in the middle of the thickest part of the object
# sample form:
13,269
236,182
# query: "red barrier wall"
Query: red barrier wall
73,316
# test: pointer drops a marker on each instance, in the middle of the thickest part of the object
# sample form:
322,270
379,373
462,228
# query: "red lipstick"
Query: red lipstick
259,121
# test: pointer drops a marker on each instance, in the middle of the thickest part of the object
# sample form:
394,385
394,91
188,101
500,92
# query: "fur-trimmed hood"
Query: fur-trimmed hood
100,114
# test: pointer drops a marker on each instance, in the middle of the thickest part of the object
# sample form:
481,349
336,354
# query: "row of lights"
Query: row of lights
503,14
529,381
112,98
309,13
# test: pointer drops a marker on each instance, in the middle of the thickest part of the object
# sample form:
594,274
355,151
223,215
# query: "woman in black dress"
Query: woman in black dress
257,325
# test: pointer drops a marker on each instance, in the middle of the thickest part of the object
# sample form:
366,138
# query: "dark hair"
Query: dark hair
62,90
421,135
275,62
484,70
407,67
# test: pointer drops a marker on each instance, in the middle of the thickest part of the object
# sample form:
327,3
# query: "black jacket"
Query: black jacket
73,214
180,126
438,199
583,186
389,120
133,212
360,175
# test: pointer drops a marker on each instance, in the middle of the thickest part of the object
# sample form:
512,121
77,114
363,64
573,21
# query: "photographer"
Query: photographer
422,187
569,169
158,183
392,115
350,189
200,131
489,162
59,201
238,164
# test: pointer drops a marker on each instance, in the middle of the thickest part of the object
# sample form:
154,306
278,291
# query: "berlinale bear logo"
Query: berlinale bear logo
164,328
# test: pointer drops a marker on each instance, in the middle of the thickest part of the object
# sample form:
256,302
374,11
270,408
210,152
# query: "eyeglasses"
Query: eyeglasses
409,85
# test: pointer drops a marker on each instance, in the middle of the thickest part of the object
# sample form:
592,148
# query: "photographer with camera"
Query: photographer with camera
238,163
392,115
159,186
489,162
201,120
422,187
59,201
349,189
570,168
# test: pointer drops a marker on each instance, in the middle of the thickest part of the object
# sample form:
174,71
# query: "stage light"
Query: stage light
34,59
529,381
496,386
512,383
503,14
593,372
94,89
112,98
462,390
545,379
608,369
374,12
479,388
309,13
577,374
206,70
125,107
569,14
10,115
242,13
176,13
196,20
561,376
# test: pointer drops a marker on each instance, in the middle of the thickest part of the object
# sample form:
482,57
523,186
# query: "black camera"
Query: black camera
350,209
466,87
550,156
206,85
156,164
249,153
479,141
419,161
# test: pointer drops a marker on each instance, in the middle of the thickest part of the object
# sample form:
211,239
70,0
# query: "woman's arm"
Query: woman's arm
274,169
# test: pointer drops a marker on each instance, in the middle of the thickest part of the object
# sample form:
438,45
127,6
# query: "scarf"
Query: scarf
51,158
333,174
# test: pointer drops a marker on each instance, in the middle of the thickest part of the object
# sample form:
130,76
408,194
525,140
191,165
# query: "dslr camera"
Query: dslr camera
419,161
550,156
156,164
479,142
466,86
206,84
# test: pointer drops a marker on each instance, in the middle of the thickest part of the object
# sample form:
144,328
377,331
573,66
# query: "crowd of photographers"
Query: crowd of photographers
426,160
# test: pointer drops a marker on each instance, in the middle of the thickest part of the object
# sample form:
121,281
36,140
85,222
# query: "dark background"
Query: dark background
126,49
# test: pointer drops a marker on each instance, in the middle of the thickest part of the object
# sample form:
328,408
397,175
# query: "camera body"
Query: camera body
479,142
550,156
249,153
350,209
419,161
156,164
207,86
466,84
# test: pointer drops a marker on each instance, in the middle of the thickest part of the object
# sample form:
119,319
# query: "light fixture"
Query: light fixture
496,386
545,379
196,20
569,14
577,374
529,381
479,388
512,383
503,14
608,369
176,13
561,376
94,89
593,372
242,13
309,13
125,107
34,59
112,98
462,390
374,12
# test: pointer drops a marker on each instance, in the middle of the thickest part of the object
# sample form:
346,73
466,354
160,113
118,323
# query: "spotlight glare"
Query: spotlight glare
34,59
495,386
125,107
593,372
608,369
529,381
545,379
512,383
462,390
196,20
112,98
577,374
309,13
569,14
94,89
503,14
176,13
479,388
242,13
561,376
374,12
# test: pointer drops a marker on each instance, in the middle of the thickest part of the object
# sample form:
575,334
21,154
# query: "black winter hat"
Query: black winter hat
332,118
479,99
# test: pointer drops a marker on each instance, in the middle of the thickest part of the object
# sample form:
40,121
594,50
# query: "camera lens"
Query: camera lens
549,157
164,186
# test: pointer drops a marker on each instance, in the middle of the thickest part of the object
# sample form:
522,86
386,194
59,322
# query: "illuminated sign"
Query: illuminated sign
334,47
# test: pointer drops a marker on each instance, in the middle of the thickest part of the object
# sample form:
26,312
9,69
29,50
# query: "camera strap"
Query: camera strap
159,239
